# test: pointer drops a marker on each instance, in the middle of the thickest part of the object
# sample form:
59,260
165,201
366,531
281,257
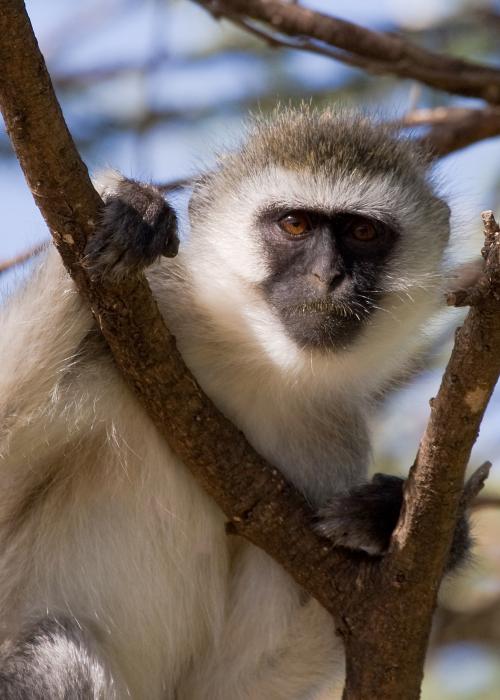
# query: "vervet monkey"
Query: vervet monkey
311,268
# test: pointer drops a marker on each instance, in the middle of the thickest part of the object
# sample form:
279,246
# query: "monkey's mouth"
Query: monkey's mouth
330,324
336,308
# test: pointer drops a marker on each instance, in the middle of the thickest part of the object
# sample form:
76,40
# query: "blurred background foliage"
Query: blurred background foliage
155,88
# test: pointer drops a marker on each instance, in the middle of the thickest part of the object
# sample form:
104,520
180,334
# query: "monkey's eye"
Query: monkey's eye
363,231
363,237
295,223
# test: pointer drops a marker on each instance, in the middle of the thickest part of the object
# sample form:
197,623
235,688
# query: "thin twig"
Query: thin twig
481,625
172,185
21,258
486,502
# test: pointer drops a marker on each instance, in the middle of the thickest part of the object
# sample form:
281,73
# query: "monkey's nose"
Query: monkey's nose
329,280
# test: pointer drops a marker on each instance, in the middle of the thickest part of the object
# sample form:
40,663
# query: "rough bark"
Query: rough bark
376,602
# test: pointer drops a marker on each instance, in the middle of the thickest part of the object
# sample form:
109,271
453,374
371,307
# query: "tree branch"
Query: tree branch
23,257
481,625
486,501
376,602
374,52
453,128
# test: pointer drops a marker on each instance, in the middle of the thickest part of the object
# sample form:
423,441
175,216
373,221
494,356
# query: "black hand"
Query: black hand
365,516
137,227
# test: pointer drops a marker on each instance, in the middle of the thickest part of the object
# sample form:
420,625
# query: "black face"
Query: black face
325,272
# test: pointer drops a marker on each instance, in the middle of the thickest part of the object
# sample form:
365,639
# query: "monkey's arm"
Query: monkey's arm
45,325
56,404
365,516
42,327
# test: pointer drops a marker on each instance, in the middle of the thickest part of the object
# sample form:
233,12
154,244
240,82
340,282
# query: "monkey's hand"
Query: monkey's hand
137,227
364,517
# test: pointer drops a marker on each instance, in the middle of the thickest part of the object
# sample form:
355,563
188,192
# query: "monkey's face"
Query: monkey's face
325,272
321,243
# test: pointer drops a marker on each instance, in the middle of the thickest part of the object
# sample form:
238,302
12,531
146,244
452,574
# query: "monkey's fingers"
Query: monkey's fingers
137,227
364,517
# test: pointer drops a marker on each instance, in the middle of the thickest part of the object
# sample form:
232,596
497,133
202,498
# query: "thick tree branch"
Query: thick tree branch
375,52
376,602
412,570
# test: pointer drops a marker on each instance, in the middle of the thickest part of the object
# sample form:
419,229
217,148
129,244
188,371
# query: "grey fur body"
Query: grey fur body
107,543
